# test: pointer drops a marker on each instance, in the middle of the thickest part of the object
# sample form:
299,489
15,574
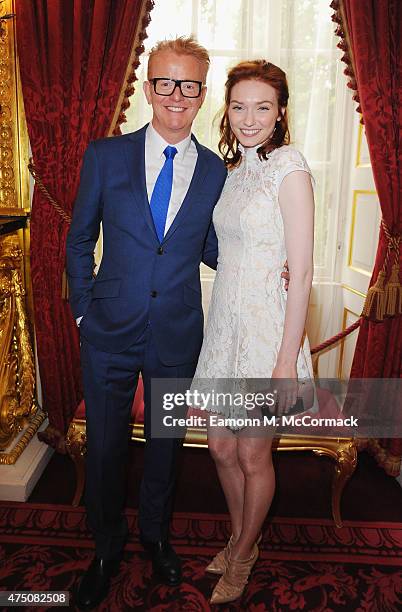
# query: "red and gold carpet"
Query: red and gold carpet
305,564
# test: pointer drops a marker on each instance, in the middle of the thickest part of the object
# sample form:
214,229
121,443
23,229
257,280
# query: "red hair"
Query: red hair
254,70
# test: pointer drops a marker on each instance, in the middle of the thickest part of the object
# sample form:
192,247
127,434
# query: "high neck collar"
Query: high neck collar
249,153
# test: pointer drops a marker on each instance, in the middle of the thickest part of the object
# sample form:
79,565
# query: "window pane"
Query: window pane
220,24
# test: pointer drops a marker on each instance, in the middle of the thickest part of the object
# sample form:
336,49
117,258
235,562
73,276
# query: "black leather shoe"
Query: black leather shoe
94,585
165,562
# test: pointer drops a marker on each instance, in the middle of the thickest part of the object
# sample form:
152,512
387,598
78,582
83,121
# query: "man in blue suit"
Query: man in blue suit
154,191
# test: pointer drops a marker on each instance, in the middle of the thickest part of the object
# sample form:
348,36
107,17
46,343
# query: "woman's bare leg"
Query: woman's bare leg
223,448
255,461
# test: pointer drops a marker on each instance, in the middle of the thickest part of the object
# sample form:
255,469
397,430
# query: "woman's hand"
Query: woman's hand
284,381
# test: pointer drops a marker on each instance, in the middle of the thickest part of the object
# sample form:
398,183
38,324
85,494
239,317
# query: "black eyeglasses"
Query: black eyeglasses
165,87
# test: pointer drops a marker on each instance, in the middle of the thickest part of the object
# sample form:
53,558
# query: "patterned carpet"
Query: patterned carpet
305,564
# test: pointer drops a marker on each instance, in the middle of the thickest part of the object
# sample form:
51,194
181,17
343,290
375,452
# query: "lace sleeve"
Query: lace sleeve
291,160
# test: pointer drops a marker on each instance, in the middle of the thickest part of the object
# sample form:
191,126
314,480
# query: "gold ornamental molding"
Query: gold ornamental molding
8,191
19,414
14,146
34,424
356,194
354,291
361,137
17,370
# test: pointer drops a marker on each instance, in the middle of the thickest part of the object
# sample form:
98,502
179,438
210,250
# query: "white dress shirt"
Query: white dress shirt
183,168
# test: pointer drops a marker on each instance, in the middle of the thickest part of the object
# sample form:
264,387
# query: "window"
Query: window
297,35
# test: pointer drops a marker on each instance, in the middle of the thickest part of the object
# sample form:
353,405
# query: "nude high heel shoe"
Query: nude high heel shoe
220,562
232,584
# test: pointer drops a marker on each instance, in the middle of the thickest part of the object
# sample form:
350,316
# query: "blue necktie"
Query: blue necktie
162,191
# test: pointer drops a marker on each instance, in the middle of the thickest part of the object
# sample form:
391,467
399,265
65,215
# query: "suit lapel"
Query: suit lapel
134,151
200,171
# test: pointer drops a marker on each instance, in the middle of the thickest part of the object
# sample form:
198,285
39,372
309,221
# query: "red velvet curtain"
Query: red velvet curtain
371,33
73,57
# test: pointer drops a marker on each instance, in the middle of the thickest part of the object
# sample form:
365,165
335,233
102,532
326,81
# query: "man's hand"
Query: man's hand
285,275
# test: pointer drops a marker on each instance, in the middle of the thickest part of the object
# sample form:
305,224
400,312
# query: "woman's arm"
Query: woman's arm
296,201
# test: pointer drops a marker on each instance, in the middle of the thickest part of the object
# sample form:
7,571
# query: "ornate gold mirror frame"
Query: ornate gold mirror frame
20,416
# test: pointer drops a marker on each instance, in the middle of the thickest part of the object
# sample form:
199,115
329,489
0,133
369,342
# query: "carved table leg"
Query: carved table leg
76,447
345,466
344,452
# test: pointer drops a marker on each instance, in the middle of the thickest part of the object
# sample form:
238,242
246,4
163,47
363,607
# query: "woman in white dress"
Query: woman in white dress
255,329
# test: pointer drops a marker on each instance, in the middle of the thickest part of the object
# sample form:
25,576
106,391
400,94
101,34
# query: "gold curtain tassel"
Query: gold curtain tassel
64,286
376,297
393,290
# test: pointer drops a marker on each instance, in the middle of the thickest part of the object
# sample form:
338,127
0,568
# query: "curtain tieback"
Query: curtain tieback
65,216
385,298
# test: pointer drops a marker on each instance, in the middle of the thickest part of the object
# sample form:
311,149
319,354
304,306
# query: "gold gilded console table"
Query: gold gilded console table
20,417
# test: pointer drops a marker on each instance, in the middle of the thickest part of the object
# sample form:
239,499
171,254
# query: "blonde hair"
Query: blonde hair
183,45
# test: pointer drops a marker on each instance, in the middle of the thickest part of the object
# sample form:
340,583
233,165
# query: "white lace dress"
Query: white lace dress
247,310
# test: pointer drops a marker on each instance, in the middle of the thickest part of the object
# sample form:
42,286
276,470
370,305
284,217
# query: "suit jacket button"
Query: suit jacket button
154,293
160,250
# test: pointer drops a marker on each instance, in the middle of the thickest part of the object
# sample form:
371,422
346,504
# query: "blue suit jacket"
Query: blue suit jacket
140,280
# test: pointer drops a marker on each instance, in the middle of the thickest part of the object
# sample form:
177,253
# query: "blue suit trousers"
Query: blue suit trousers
110,381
